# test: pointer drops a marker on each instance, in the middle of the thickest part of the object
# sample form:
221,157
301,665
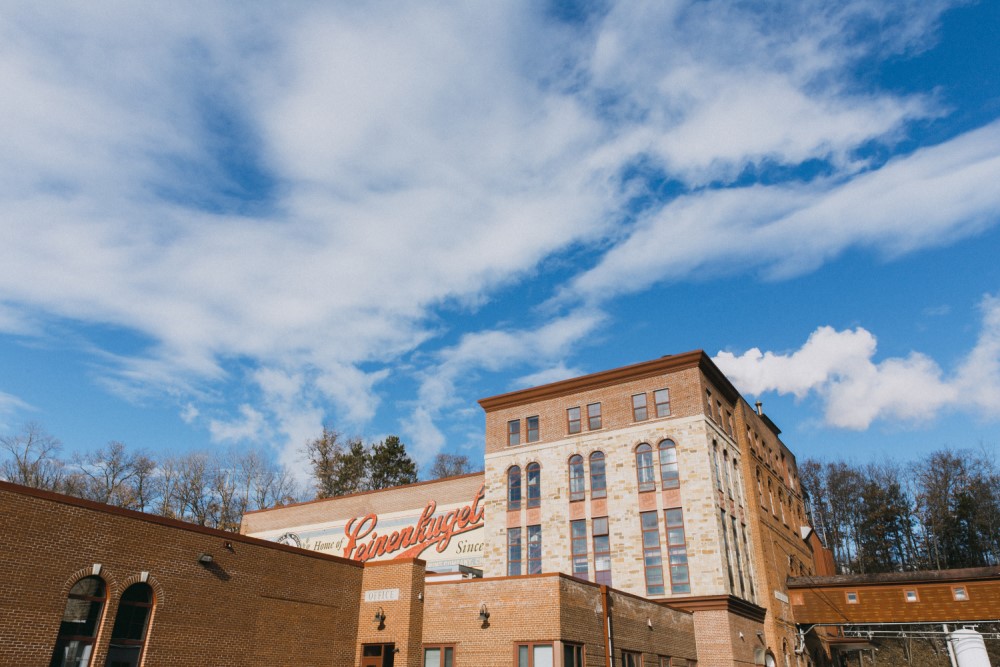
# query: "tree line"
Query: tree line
210,488
939,512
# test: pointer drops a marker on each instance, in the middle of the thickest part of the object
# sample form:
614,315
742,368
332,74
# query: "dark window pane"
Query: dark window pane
573,420
594,416
532,429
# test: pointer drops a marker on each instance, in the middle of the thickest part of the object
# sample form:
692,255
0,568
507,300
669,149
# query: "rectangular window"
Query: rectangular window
439,656
959,593
630,659
639,407
728,554
578,547
602,551
708,404
746,550
534,655
532,429
652,560
852,597
573,420
534,549
661,397
739,559
513,552
513,432
677,552
911,595
594,416
572,655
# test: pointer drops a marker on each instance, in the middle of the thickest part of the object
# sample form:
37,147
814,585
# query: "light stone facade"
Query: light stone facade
698,496
736,569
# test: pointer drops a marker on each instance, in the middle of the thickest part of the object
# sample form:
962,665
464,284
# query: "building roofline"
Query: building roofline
916,577
365,493
673,362
52,496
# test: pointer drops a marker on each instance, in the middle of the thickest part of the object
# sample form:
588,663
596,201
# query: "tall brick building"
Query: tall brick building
645,516
660,480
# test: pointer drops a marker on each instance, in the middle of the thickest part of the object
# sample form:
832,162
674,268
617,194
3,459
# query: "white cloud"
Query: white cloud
10,405
927,198
189,413
488,351
839,367
303,188
248,428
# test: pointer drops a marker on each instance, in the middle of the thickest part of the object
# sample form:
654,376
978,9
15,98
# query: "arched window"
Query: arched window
129,634
534,472
513,488
598,482
668,465
644,467
81,618
576,483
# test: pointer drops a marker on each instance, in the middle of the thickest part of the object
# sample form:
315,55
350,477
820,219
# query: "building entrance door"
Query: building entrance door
377,655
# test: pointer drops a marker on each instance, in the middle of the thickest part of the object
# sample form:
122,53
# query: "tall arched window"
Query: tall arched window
80,621
598,482
668,465
534,472
513,488
644,467
576,481
129,634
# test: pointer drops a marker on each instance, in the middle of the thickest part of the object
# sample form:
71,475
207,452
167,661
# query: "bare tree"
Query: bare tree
109,475
33,458
449,465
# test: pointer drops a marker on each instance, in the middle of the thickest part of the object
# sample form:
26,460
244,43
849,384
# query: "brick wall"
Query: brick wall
403,625
550,609
256,603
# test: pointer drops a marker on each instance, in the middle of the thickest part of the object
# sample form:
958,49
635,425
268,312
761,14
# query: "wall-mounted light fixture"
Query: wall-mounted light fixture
205,559
379,617
649,623
484,614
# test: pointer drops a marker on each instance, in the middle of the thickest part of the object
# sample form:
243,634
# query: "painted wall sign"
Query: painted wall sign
444,536
364,542
382,595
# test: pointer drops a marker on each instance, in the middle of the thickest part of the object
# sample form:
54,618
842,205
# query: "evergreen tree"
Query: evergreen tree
390,465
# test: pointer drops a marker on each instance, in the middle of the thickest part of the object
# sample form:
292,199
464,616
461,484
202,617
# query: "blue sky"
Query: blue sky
227,225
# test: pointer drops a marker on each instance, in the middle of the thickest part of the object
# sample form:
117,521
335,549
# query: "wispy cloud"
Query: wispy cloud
10,406
306,188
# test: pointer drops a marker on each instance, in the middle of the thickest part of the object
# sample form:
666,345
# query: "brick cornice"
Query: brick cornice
727,603
670,363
